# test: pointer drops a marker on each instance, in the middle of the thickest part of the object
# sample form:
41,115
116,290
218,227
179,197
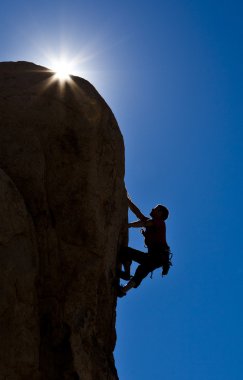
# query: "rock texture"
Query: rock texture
62,220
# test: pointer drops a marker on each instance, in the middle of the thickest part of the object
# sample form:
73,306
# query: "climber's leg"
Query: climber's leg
122,290
141,272
135,255
126,257
149,264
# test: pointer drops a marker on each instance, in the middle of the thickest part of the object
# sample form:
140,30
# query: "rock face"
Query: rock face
63,219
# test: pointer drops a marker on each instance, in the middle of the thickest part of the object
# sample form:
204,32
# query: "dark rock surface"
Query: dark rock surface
63,218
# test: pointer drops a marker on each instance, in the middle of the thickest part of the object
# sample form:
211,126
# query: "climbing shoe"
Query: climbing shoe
120,292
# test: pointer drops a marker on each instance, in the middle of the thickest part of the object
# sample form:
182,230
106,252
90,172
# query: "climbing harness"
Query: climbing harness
167,265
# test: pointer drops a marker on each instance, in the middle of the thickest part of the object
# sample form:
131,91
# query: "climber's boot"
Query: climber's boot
122,290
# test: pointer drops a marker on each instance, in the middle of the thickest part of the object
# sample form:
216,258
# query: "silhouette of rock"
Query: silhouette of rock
63,218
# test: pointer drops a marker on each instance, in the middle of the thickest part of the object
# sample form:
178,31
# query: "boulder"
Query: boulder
63,220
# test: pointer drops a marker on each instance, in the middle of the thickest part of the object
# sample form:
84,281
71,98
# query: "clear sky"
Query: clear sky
171,71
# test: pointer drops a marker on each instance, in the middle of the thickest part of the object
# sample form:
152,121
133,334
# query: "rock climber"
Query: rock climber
158,255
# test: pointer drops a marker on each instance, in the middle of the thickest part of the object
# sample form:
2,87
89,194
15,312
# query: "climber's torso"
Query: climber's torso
155,234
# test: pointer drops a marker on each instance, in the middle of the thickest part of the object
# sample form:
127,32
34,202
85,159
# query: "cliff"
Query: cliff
63,219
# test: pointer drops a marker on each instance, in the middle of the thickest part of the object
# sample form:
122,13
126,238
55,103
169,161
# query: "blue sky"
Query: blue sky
171,72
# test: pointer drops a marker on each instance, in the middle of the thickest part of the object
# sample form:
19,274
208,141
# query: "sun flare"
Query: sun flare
62,70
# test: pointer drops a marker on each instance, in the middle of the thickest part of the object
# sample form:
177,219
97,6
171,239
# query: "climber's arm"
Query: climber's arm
141,223
136,210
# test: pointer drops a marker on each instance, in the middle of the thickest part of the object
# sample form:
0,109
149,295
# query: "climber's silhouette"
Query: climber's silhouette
158,255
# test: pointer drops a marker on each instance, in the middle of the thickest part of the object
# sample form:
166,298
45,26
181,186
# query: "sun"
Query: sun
62,70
